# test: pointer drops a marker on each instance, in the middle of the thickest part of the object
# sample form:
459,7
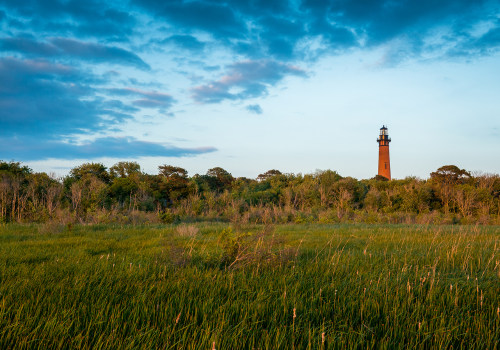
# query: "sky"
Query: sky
251,85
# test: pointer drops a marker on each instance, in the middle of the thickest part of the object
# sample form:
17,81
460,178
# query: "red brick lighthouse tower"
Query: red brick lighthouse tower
384,162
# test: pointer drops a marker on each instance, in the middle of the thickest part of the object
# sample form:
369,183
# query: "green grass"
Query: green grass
287,286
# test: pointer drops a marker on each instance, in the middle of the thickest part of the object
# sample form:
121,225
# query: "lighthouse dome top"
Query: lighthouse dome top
383,131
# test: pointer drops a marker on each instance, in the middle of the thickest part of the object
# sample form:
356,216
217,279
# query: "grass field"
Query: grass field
212,285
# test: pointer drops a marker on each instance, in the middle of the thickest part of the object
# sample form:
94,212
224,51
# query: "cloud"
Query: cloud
41,98
254,109
70,48
258,29
49,91
402,26
99,53
263,7
336,36
187,42
43,103
218,19
29,149
147,99
52,100
485,44
247,79
279,29
89,18
491,38
281,34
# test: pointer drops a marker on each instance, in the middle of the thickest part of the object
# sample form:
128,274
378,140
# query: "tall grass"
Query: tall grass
287,286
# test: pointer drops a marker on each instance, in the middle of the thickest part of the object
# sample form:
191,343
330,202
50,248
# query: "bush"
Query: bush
169,218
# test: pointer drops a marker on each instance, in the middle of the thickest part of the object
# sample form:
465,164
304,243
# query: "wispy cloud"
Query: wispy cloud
187,42
91,18
71,48
213,17
258,29
147,99
254,109
279,29
247,79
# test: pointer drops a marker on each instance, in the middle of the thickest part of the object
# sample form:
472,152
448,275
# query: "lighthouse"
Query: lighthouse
384,162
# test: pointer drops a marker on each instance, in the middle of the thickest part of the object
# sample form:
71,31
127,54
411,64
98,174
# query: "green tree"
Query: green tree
171,172
14,168
451,174
13,182
326,179
124,169
174,183
268,174
445,179
42,193
219,179
348,193
95,169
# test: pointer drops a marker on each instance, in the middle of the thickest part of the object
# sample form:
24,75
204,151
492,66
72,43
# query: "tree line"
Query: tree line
92,193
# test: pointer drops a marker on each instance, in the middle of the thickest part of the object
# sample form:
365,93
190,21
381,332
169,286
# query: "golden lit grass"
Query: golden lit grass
287,286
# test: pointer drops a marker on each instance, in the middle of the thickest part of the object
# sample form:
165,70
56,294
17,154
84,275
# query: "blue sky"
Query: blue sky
251,85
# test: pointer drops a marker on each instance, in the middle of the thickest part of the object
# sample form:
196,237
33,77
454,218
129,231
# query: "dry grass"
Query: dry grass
186,230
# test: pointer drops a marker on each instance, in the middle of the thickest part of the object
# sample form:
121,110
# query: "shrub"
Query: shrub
169,218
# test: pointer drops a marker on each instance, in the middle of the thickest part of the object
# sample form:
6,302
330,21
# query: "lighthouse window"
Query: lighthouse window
385,165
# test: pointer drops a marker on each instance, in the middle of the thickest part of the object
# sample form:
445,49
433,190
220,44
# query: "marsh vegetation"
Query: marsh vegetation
196,286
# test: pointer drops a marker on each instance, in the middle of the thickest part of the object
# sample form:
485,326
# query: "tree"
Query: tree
347,194
326,179
171,171
488,186
96,169
42,193
465,197
14,168
451,174
126,179
416,196
445,178
122,189
220,179
221,175
174,182
268,174
124,169
13,181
